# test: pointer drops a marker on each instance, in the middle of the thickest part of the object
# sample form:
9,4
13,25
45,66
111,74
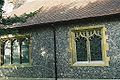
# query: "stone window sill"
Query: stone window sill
92,63
15,65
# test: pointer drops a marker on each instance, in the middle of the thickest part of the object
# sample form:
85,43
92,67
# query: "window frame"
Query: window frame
105,58
16,36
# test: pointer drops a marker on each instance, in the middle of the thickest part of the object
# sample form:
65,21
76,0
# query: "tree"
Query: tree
15,19
1,4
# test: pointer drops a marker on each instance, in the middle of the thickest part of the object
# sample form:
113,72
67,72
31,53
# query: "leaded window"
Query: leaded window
7,52
88,46
15,49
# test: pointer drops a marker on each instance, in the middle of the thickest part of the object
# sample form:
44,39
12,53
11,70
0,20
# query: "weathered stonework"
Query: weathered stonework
65,70
43,64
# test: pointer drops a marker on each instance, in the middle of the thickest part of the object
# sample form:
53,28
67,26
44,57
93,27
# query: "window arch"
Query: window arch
88,46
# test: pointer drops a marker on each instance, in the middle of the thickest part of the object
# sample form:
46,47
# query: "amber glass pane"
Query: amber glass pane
25,51
81,49
7,52
16,52
95,47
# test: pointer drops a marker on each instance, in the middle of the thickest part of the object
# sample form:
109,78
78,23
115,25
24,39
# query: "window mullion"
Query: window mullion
0,53
2,44
88,46
88,50
20,52
11,58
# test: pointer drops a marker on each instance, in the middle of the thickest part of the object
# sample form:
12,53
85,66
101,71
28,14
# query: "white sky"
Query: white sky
8,7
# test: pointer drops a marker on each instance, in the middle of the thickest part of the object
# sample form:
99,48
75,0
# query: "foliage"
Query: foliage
1,4
8,31
11,20
16,19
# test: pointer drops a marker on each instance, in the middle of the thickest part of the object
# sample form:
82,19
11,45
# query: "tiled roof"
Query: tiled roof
64,10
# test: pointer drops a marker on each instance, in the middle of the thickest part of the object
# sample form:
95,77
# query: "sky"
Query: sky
8,7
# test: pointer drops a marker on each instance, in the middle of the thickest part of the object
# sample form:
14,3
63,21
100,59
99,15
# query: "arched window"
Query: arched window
88,46
15,52
7,52
25,50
